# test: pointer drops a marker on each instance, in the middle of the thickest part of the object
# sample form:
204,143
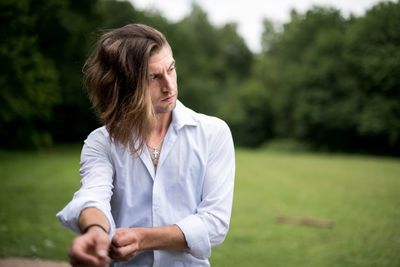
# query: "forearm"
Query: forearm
91,216
128,241
162,238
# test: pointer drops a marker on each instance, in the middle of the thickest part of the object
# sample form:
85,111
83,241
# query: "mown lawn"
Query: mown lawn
359,194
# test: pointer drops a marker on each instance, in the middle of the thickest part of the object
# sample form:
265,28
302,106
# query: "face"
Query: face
162,81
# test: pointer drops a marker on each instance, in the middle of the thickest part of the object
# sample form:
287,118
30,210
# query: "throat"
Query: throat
156,139
155,152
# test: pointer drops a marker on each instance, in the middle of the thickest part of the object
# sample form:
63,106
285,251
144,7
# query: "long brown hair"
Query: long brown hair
116,78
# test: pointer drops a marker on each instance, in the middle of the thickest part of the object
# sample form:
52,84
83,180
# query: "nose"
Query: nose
166,84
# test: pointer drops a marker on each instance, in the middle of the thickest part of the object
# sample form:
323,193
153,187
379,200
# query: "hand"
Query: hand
125,244
90,249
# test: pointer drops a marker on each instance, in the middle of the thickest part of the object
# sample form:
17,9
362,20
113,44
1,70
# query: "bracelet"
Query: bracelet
91,225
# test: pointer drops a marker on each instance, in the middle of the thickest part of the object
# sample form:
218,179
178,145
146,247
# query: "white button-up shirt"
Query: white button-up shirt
192,188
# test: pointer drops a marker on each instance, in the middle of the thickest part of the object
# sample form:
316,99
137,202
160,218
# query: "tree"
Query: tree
28,80
211,61
374,57
65,31
332,82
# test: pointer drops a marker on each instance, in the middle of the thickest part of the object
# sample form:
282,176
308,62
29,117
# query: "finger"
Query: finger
78,264
78,258
127,257
82,252
85,264
102,245
120,238
124,237
123,253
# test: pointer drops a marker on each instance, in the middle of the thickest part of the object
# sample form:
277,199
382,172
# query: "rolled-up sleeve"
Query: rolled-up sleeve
96,189
209,226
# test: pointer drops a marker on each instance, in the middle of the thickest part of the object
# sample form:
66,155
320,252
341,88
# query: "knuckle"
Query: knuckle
116,242
118,252
117,237
71,257
74,242
119,231
71,251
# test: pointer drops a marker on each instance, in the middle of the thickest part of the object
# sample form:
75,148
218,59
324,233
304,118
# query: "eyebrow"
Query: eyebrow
155,74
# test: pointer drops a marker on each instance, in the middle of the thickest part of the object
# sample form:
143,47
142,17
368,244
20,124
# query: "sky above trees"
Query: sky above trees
250,13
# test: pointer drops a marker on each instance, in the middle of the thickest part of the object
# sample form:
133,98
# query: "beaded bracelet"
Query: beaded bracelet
91,225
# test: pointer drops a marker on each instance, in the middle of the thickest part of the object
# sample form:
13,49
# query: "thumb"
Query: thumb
102,246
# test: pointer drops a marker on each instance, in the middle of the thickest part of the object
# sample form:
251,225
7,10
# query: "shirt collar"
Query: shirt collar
182,116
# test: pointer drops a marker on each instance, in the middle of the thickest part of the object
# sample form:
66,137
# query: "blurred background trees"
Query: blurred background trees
334,83
330,82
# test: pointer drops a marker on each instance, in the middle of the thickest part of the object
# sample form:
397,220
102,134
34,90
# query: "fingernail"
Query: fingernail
102,253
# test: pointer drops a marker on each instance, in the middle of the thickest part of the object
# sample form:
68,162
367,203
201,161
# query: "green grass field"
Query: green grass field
359,194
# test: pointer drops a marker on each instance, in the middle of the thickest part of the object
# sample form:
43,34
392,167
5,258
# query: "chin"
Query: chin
165,109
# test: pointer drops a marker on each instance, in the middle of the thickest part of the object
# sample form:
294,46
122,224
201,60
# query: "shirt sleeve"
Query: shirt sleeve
96,188
209,226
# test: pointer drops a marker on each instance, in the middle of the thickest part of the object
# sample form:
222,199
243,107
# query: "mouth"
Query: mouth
168,99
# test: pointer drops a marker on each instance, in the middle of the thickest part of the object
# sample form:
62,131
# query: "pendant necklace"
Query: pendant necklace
155,153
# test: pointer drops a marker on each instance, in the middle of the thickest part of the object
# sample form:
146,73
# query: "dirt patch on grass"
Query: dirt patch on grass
24,262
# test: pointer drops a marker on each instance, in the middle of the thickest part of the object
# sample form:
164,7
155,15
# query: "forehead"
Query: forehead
161,59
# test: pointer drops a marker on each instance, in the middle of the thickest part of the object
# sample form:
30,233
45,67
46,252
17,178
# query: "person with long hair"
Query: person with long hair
158,178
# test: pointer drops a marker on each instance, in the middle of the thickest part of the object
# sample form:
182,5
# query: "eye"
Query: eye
153,77
172,68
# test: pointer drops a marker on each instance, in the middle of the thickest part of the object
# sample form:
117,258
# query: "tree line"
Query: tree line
321,79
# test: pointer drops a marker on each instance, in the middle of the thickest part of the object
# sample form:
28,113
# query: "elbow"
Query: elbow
220,234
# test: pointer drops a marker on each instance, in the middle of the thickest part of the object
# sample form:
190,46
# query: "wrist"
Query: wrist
140,235
93,226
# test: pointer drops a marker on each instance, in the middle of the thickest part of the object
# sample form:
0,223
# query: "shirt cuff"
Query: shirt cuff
196,235
69,216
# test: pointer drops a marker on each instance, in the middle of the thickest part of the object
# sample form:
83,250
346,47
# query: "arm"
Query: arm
127,242
209,226
91,204
91,248
96,185
93,216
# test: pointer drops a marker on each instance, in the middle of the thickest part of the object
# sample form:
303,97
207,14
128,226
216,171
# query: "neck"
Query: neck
162,122
157,134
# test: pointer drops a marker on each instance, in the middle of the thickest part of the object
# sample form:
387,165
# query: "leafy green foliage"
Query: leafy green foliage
322,79
374,55
28,81
333,82
211,61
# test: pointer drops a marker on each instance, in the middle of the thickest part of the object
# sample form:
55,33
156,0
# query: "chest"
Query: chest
181,167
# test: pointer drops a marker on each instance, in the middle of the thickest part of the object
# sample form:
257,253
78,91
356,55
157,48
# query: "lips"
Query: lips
167,99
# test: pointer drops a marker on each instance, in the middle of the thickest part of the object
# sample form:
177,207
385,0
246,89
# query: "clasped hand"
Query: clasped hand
94,248
125,244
